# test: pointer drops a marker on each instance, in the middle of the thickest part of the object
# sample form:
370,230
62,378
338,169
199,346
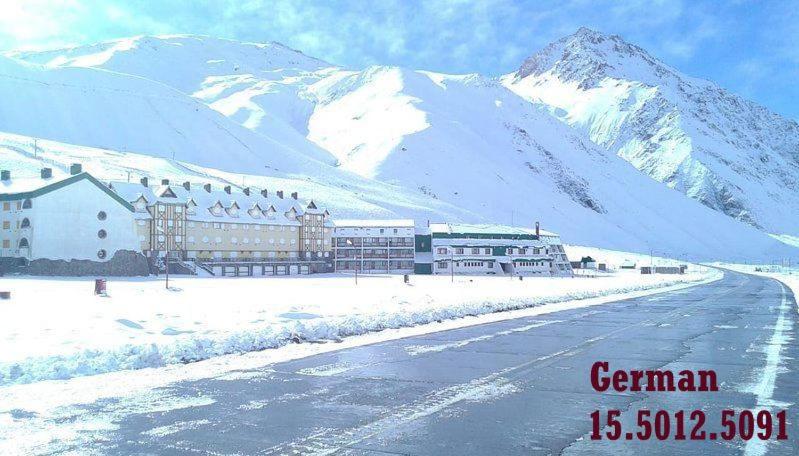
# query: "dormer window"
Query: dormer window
233,210
255,211
270,213
311,205
140,205
167,192
27,204
217,209
191,206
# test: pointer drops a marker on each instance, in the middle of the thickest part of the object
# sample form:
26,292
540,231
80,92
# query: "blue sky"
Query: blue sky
749,47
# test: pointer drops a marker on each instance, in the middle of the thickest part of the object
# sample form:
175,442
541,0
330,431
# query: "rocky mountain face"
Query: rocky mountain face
388,140
726,152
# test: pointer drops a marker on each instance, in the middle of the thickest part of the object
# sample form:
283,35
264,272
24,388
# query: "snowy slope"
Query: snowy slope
343,194
469,141
254,84
461,144
121,112
727,152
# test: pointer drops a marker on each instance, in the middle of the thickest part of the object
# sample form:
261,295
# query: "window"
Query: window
441,250
101,234
475,251
101,254
487,251
23,243
7,225
442,265
292,229
510,251
27,204
141,222
6,244
205,239
282,242
234,240
102,215
6,206
459,251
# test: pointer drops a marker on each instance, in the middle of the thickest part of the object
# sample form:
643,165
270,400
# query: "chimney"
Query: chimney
265,193
537,229
227,189
164,181
75,168
47,173
207,188
5,175
294,195
246,191
144,181
280,194
187,185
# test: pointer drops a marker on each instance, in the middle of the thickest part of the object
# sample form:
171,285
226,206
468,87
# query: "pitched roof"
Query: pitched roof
30,189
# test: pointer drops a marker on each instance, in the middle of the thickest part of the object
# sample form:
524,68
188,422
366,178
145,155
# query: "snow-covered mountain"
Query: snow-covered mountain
462,147
729,153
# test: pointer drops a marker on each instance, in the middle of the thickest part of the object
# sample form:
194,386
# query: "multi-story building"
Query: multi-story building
230,232
374,246
447,248
49,222
69,217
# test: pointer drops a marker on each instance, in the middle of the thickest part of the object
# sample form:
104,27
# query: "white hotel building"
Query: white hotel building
492,249
373,246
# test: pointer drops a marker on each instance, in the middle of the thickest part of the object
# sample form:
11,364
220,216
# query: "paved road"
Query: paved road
514,387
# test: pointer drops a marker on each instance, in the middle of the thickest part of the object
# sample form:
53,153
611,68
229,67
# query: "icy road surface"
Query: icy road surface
511,387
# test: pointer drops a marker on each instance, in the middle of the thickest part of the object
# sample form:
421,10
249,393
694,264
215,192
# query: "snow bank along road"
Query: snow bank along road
56,329
517,386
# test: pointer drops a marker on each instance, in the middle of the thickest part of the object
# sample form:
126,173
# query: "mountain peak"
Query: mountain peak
587,56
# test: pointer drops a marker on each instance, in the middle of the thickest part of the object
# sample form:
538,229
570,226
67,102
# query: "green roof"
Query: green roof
438,235
63,183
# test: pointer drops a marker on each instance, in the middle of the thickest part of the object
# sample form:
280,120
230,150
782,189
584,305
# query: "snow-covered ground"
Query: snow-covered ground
57,329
